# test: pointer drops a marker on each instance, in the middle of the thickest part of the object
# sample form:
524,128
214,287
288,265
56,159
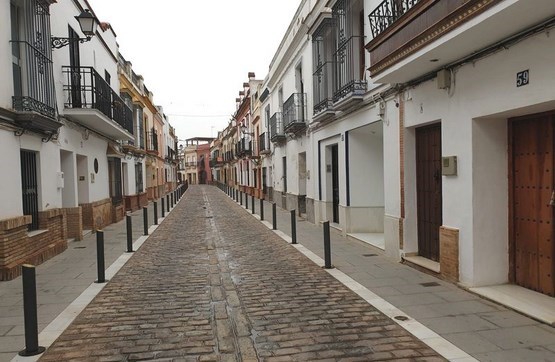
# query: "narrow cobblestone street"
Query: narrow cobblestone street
205,287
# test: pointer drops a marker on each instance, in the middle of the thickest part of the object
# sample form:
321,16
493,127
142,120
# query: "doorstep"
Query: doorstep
536,305
423,262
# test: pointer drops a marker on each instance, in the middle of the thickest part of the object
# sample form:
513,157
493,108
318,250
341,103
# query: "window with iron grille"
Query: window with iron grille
29,187
31,57
139,177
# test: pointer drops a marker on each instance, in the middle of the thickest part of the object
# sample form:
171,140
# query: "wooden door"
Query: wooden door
532,186
428,189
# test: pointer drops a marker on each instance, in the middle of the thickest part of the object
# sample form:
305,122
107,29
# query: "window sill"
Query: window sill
36,232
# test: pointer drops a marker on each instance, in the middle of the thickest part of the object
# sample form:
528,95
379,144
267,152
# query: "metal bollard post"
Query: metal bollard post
155,213
129,233
252,203
168,202
261,209
163,206
293,227
246,201
100,256
145,220
327,246
171,198
274,216
32,347
241,198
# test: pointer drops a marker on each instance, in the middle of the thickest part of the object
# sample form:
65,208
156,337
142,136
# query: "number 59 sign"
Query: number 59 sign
522,78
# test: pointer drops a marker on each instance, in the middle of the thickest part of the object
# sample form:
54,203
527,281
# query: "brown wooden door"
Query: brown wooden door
428,189
532,212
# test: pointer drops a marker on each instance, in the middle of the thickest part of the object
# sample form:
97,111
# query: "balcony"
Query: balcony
264,145
243,148
294,113
253,146
323,85
216,162
349,64
92,102
191,164
421,36
171,155
276,128
152,142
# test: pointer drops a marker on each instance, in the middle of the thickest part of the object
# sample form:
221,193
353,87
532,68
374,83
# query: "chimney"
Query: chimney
251,75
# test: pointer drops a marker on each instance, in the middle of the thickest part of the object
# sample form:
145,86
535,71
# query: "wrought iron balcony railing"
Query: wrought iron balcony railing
243,148
85,88
253,147
276,128
385,14
349,64
152,140
323,88
263,143
294,113
39,94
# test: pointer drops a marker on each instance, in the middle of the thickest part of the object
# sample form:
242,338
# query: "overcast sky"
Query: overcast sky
195,55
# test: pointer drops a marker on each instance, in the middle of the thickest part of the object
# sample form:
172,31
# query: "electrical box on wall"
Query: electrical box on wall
92,177
449,166
443,79
60,180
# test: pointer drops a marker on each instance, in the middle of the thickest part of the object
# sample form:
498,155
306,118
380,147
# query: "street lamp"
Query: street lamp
244,131
87,22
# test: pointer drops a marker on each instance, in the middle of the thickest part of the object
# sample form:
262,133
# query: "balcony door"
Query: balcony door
75,64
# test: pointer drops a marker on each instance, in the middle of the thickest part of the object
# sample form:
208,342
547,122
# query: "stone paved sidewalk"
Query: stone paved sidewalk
211,284
485,330
59,281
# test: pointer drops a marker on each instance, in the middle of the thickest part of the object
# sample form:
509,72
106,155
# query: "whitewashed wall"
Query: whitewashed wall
6,79
474,128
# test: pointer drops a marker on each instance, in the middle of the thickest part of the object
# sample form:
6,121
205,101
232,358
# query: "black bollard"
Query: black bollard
32,347
163,206
145,220
261,209
293,227
168,202
241,198
246,201
252,203
155,213
327,246
129,233
100,256
274,216
172,200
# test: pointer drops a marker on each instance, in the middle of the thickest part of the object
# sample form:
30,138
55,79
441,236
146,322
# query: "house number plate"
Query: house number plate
522,78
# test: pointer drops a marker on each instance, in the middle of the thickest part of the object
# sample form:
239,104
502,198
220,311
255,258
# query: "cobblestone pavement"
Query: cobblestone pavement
205,287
